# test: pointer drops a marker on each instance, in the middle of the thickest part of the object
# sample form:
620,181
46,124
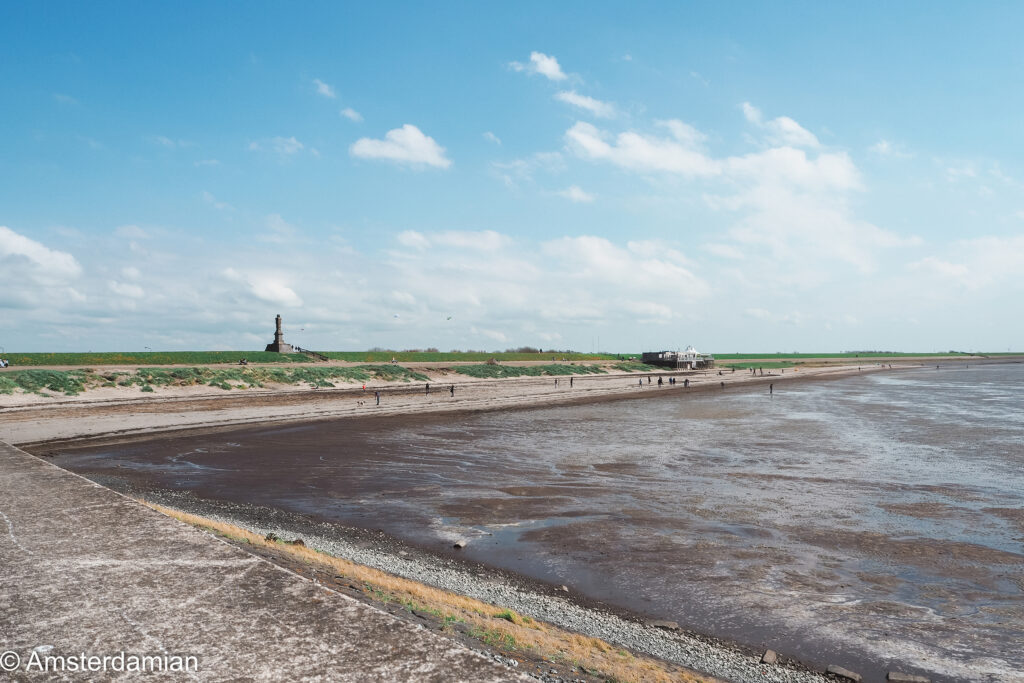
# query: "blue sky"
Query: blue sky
798,176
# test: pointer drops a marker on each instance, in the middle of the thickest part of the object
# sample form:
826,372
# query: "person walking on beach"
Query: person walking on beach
771,389
649,377
376,395
723,385
659,381
428,389
686,383
570,382
641,381
453,391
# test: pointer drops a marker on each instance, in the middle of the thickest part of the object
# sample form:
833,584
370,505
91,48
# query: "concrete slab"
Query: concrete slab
84,570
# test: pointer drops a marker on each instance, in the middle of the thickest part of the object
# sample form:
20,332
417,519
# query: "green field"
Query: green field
153,358
771,364
457,356
881,354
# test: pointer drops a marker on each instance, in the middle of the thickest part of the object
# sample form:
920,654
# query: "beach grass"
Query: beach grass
68,382
72,382
502,371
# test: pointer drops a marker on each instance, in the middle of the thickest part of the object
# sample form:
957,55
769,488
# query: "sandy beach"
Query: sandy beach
123,412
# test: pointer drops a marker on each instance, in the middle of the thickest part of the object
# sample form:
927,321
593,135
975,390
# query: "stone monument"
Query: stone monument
278,346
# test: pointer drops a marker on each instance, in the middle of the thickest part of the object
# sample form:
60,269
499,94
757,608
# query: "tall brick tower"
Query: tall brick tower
278,345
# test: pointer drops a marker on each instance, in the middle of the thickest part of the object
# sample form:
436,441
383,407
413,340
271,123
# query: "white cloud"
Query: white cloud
682,154
782,130
126,289
351,114
724,251
882,147
956,271
792,222
165,141
265,286
490,334
974,264
634,151
576,194
133,232
45,262
512,173
280,230
324,89
598,108
411,238
483,240
405,145
61,98
212,201
542,64
635,266
280,145
491,137
885,148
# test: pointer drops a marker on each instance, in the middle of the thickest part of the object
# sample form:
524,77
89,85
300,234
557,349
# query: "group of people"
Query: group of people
671,380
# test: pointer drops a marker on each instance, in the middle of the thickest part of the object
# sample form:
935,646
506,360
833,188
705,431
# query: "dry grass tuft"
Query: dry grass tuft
496,626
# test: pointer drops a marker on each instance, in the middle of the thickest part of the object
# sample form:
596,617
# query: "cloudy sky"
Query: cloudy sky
623,176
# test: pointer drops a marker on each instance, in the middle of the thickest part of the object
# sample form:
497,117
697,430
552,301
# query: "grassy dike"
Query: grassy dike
73,382
496,627
148,379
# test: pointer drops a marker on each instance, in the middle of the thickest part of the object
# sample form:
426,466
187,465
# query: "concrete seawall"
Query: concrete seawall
84,570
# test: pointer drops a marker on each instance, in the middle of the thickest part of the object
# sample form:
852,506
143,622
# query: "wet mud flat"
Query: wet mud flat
873,522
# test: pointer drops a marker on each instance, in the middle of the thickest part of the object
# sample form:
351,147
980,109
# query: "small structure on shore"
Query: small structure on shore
279,345
690,359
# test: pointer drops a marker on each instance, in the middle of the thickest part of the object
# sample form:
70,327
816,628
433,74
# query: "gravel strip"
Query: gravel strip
681,648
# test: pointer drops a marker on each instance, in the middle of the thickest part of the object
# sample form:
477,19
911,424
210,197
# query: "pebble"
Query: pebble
769,657
843,673
664,625
897,677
